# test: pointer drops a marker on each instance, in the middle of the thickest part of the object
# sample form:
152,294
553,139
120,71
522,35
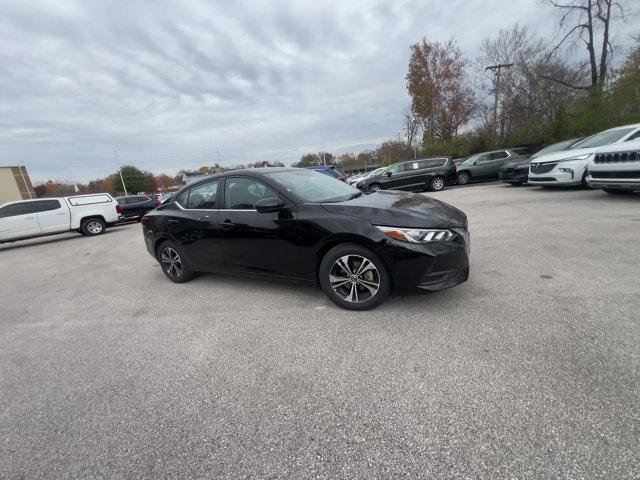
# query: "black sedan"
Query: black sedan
302,225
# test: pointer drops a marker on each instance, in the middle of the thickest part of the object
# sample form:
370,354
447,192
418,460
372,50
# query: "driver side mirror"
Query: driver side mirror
269,205
389,174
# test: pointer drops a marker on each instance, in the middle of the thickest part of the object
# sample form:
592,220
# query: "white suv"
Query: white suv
616,169
569,167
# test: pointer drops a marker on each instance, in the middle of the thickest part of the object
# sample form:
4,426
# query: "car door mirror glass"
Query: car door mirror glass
389,173
268,205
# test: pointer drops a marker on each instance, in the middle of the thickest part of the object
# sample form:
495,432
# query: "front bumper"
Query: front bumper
429,267
562,174
510,174
627,180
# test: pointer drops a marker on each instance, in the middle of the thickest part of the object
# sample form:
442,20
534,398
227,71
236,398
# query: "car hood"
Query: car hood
563,155
401,209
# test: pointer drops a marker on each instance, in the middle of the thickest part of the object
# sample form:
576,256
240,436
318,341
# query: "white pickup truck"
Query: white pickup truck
88,214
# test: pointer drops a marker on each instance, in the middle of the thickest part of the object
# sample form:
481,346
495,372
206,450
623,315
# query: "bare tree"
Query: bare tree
584,21
411,128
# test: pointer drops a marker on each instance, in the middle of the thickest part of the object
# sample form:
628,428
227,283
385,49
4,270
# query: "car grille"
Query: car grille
543,179
542,167
618,157
632,174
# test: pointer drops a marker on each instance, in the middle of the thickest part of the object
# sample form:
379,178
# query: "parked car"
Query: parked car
300,225
134,207
366,175
483,166
331,170
88,214
419,174
516,171
616,169
569,167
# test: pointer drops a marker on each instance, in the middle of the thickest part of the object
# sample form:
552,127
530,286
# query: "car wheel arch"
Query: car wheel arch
345,238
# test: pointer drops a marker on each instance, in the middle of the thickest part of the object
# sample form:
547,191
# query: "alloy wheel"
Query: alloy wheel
94,227
437,184
463,178
171,262
354,278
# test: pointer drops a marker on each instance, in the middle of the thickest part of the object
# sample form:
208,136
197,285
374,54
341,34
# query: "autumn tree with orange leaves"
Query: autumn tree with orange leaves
441,97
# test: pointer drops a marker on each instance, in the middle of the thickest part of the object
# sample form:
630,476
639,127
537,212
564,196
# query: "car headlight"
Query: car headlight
418,235
578,157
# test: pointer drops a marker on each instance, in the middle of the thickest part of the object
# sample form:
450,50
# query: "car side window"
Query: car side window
203,197
483,158
399,168
15,209
436,162
243,193
46,205
498,155
635,136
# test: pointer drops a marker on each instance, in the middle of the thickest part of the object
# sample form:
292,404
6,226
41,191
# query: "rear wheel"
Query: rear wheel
93,226
463,178
354,277
173,263
375,187
436,184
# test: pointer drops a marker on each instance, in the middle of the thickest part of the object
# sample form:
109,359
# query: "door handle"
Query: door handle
206,218
172,221
227,224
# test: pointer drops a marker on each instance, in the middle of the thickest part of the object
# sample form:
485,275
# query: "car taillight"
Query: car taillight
143,221
118,211
455,167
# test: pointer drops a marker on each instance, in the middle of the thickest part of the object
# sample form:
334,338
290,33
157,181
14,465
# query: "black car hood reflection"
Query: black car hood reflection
400,209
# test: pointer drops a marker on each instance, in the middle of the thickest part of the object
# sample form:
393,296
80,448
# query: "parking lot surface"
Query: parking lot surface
529,370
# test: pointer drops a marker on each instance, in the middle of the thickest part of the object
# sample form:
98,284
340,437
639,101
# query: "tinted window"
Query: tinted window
46,205
15,209
204,196
634,136
183,198
435,162
138,199
498,155
243,193
483,158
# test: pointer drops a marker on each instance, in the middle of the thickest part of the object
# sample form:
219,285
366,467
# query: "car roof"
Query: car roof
631,125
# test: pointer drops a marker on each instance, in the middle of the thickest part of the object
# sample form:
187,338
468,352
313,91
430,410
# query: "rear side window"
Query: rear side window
15,209
435,162
498,155
202,197
46,205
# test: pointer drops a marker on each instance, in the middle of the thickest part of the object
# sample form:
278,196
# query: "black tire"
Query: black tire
583,182
93,226
375,187
355,292
463,178
436,184
172,262
617,191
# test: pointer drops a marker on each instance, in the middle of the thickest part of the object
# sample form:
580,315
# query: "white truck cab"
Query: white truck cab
88,214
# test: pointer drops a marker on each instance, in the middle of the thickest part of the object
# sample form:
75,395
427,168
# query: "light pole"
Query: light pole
497,69
120,172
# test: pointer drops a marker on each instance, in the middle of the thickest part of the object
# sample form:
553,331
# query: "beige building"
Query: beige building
15,184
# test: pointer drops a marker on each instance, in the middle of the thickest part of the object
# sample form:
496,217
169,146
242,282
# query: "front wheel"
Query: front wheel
375,187
354,277
436,184
173,263
463,178
93,226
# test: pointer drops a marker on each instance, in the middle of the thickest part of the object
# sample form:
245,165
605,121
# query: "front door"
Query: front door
193,223
53,215
18,220
266,243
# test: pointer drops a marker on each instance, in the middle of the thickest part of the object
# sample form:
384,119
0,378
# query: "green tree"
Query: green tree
135,180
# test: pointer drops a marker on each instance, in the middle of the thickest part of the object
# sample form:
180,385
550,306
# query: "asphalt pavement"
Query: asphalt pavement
529,370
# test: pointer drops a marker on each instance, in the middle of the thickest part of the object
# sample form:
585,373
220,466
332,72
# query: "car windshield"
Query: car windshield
604,138
313,186
556,147
374,172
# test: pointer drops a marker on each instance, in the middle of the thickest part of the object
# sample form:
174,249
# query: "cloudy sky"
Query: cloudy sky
180,84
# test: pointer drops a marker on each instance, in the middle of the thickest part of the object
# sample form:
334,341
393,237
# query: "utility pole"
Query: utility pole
497,69
115,154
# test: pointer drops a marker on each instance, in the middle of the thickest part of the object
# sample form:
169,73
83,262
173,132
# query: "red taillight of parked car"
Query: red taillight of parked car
455,167
143,221
118,211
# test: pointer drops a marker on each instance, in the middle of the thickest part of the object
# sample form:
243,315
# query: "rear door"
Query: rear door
495,162
18,220
193,223
53,215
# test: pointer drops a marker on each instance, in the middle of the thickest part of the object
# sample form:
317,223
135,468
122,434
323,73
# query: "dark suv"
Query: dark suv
134,207
420,174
